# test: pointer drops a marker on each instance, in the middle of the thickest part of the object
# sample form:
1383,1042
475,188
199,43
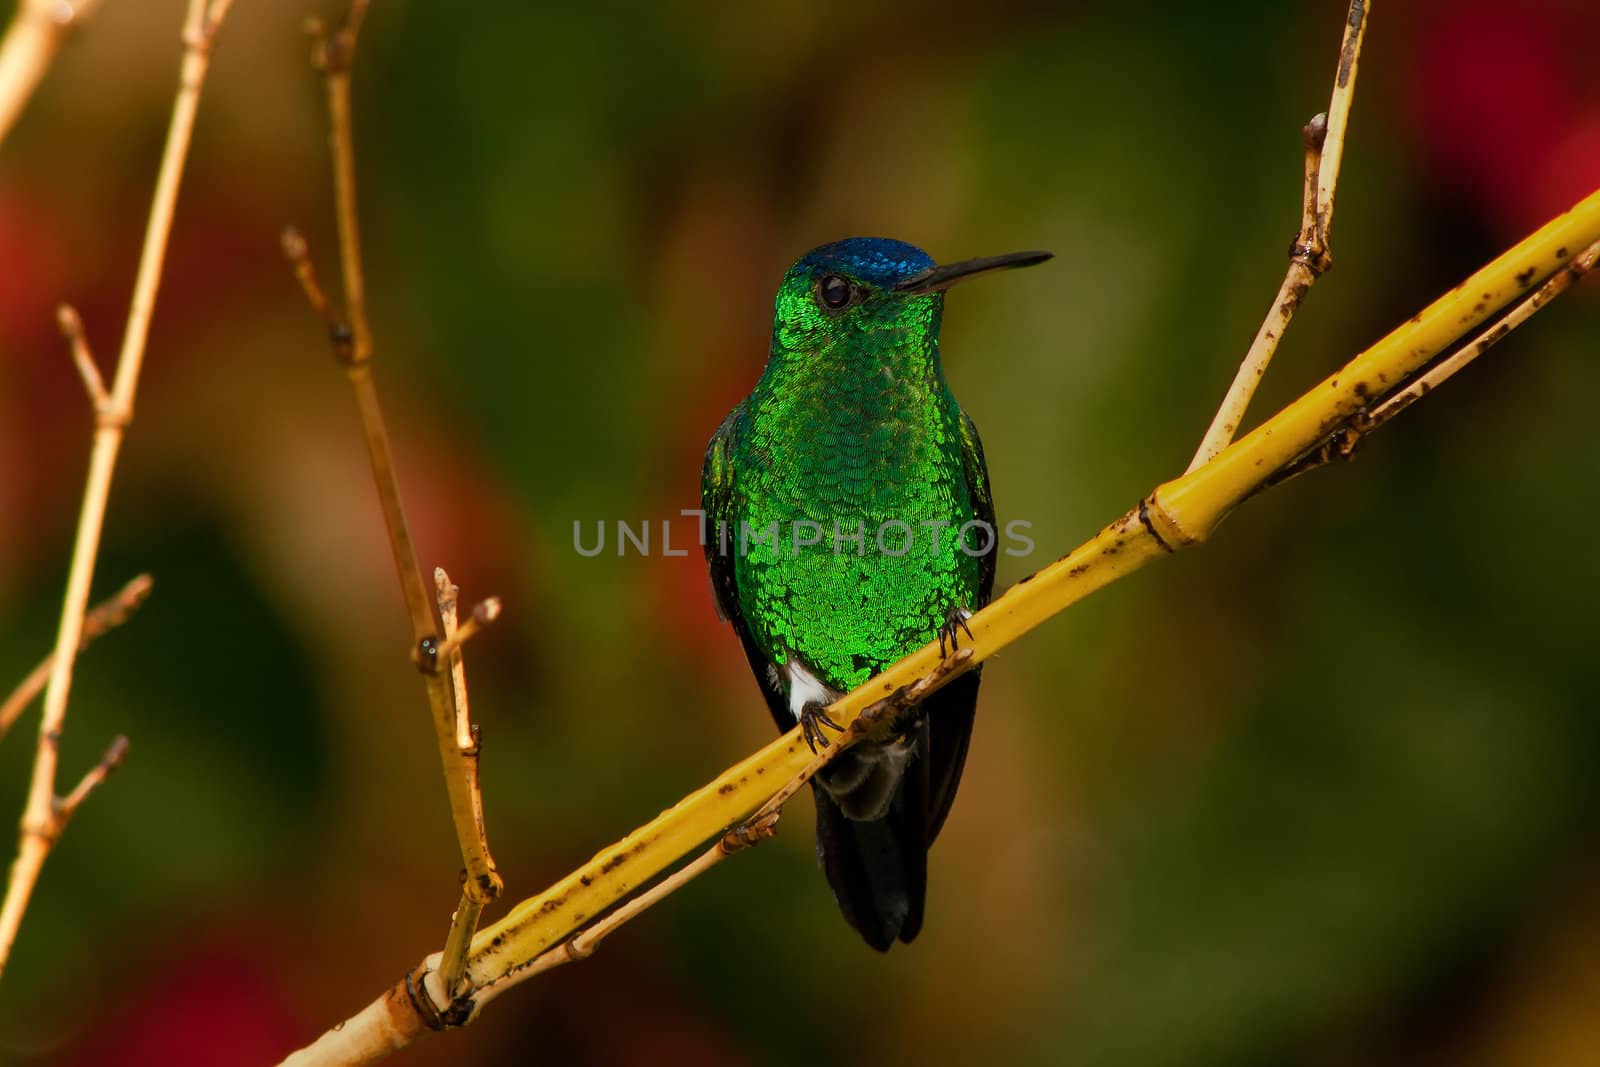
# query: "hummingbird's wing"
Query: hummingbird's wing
717,495
951,710
976,469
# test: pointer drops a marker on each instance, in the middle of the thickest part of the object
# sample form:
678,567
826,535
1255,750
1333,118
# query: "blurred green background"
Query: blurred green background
1320,792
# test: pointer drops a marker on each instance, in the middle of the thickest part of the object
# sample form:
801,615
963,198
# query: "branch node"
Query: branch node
425,1008
751,832
333,53
427,655
200,29
1315,132
482,615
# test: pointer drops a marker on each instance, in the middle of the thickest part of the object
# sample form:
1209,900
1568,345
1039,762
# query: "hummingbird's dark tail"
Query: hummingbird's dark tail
879,808
878,868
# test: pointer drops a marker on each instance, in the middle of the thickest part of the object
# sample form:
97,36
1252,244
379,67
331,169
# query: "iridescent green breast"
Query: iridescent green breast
848,497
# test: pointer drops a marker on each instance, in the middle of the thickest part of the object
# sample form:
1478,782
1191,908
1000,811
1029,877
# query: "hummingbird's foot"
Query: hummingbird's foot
813,717
954,621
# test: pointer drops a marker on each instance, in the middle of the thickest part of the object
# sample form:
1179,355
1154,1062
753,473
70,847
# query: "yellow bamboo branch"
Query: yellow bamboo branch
41,819
1309,255
37,30
1436,375
1342,443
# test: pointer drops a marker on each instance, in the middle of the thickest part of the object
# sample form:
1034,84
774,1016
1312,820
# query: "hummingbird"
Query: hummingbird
850,521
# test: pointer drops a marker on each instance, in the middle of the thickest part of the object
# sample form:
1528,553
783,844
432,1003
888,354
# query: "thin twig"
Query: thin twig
482,615
581,946
40,818
68,805
38,29
1309,255
464,921
436,642
108,614
298,254
72,329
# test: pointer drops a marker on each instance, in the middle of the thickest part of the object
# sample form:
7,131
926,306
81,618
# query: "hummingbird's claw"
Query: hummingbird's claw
955,621
813,717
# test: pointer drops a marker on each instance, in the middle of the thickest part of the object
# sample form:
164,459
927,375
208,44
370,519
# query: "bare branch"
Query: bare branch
464,921
67,806
332,54
200,28
1309,254
109,613
72,329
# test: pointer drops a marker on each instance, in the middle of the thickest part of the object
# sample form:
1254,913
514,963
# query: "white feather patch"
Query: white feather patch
804,688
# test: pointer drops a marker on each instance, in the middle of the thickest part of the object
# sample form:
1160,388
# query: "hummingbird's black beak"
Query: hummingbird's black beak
934,279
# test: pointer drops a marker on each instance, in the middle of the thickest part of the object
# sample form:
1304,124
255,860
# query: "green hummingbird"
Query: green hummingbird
849,521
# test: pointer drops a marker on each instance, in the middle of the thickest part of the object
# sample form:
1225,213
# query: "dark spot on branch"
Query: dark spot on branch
1493,336
726,788
614,862
458,1012
1352,39
344,342
1525,277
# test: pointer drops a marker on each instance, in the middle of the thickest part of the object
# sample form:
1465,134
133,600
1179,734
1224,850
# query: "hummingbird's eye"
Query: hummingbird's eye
834,292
